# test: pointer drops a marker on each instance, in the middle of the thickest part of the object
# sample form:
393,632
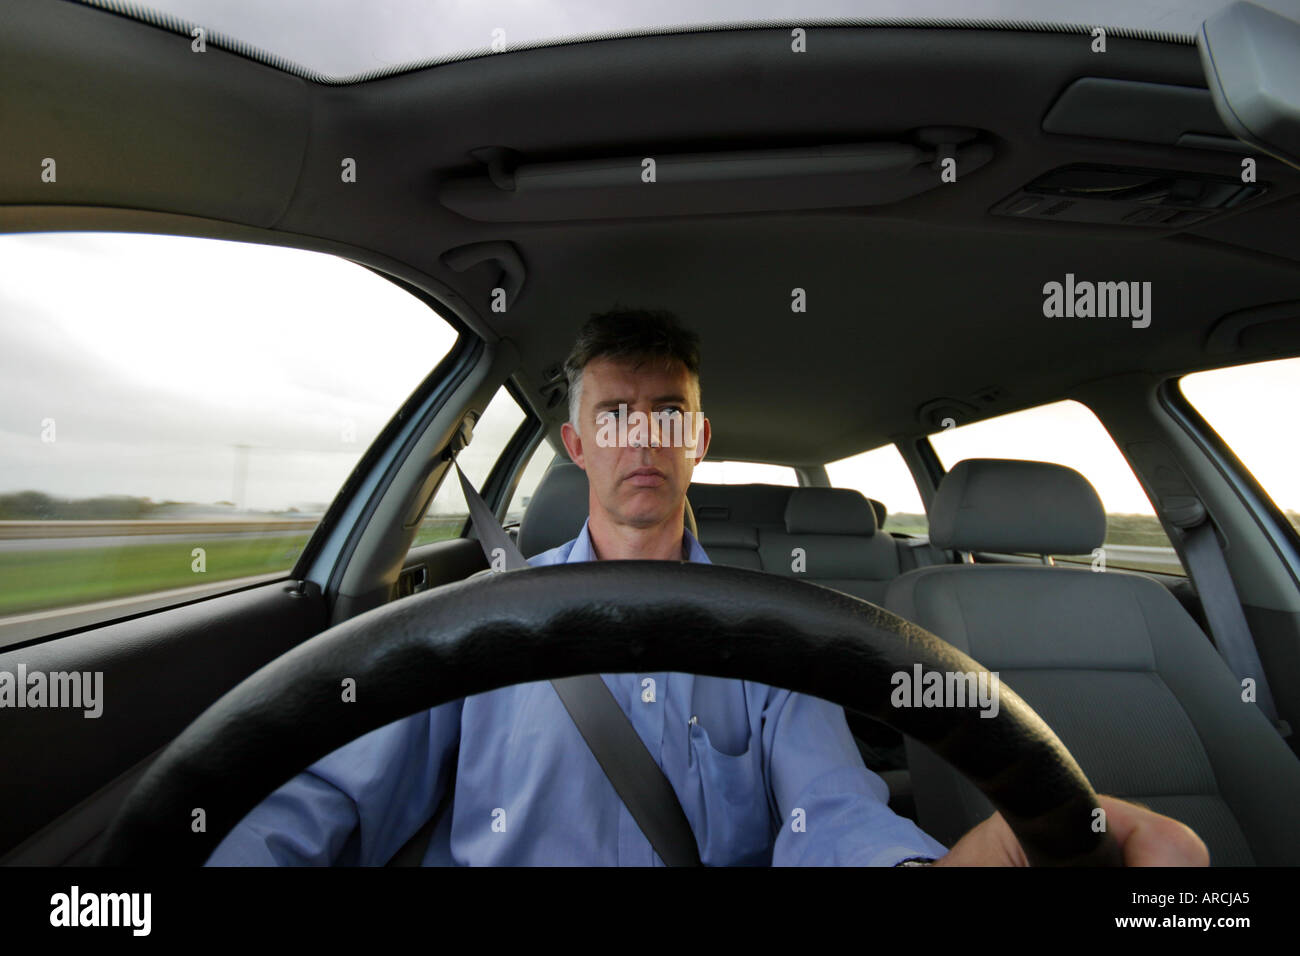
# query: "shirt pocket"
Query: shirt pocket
731,798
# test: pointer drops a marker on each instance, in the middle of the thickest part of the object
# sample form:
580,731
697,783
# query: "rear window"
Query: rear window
882,475
744,473
178,413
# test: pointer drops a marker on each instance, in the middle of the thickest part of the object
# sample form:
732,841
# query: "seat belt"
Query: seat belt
1220,602
618,748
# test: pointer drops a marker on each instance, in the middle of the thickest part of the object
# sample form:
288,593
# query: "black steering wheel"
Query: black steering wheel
594,617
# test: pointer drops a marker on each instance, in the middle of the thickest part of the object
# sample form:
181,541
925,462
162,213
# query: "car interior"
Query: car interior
847,296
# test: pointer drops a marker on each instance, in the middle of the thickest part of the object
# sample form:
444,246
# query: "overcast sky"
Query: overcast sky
155,356
347,37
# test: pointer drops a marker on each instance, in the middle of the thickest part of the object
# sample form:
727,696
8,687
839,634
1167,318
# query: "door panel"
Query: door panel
159,672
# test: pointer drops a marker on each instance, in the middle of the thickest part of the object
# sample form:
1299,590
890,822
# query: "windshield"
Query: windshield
347,40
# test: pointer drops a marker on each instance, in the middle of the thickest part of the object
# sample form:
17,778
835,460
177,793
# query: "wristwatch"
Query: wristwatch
916,861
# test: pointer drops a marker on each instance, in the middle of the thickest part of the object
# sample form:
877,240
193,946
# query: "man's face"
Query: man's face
641,482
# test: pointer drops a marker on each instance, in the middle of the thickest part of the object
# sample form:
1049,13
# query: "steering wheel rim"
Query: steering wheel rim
594,617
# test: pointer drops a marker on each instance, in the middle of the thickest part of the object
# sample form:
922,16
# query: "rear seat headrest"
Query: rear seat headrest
829,511
881,512
1002,505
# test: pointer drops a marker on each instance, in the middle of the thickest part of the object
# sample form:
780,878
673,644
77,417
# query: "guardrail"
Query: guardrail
113,528
15,530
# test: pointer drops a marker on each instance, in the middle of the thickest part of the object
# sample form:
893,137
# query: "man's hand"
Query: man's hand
1146,838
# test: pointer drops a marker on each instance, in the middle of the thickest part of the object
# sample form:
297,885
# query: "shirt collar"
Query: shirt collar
583,551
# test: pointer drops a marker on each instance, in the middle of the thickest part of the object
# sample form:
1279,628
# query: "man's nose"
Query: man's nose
644,430
655,436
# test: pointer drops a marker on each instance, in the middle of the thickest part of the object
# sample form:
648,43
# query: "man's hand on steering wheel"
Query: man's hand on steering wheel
1145,837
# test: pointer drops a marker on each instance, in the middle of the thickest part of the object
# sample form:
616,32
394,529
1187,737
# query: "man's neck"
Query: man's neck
616,542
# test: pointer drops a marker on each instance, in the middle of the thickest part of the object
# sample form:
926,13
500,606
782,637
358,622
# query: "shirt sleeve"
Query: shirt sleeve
832,810
357,805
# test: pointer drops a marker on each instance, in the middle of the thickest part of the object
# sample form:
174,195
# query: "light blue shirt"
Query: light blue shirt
766,776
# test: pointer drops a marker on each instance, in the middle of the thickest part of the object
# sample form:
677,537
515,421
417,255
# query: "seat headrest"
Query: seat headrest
559,507
829,511
881,512
1002,505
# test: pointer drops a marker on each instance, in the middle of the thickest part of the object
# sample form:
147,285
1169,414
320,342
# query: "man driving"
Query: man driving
765,776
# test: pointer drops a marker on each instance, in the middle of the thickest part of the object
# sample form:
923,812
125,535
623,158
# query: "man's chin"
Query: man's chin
646,516
644,520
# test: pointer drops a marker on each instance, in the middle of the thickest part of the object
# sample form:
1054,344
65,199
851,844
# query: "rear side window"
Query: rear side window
1251,407
447,512
543,456
1068,433
882,475
178,413
743,473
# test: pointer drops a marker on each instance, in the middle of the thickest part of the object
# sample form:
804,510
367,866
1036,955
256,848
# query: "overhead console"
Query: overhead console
680,184
1126,196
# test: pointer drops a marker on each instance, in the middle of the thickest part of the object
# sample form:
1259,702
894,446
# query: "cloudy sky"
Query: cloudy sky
347,37
156,356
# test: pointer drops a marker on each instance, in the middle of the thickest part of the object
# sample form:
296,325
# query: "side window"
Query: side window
543,455
882,475
447,511
1250,406
743,472
1068,433
176,414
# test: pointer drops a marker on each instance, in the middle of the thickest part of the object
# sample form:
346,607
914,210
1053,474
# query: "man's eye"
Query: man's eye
671,410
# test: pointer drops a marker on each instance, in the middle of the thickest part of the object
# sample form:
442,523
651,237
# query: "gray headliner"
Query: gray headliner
928,297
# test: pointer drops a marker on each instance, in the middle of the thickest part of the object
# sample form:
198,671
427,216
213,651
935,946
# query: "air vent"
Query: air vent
1118,195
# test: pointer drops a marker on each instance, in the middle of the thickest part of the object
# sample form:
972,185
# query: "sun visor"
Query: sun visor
690,184
1139,112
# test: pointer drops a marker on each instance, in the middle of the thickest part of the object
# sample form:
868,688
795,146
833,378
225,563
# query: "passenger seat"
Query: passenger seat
1110,660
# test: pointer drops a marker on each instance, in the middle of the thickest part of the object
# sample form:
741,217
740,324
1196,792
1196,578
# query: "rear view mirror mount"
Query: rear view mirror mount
1251,58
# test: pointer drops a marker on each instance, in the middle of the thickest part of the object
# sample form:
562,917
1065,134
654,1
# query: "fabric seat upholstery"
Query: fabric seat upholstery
1110,660
834,530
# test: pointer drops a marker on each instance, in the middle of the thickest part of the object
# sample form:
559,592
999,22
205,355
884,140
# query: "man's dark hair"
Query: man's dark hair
645,334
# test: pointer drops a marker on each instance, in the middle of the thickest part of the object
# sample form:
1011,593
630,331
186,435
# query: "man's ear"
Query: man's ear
702,442
572,444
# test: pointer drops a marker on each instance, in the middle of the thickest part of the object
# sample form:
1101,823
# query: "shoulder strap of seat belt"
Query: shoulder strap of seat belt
618,748
1223,610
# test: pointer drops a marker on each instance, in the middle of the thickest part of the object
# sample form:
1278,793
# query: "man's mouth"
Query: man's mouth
646,477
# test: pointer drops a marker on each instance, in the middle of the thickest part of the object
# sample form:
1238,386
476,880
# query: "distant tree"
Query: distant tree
26,506
38,506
